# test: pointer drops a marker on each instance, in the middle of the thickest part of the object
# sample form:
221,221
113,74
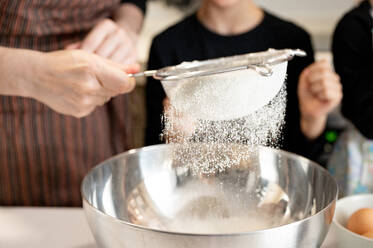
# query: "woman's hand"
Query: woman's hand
319,92
76,82
110,40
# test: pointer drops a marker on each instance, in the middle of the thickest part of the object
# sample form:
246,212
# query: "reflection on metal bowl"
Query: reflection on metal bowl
273,199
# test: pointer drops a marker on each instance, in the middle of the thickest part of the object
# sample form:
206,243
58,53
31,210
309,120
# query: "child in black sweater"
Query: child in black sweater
230,27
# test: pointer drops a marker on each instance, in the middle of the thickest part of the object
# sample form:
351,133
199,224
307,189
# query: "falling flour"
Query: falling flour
201,121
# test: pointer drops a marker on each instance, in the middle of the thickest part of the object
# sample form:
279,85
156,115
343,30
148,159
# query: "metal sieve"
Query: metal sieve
261,62
225,88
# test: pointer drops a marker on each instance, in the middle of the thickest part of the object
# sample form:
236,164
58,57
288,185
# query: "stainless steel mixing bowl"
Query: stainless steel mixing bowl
141,199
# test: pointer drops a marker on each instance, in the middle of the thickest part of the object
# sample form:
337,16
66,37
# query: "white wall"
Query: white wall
329,9
158,17
319,17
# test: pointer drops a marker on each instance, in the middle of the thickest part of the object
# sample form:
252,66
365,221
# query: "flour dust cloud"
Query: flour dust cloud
208,146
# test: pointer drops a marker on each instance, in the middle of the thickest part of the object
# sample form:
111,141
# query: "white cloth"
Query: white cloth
352,163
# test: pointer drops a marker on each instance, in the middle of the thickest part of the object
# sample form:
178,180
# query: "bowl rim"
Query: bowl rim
143,228
342,227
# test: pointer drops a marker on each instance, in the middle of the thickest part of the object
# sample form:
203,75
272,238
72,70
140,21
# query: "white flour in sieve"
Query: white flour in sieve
205,121
225,96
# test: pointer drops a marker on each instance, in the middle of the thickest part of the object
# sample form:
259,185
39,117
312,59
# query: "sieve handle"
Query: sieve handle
143,74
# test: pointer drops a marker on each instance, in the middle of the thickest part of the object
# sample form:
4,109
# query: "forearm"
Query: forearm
130,17
311,127
17,68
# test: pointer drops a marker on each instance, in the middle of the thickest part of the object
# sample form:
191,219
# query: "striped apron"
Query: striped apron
44,155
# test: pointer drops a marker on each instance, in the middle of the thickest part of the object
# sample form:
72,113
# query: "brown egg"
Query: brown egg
368,234
361,221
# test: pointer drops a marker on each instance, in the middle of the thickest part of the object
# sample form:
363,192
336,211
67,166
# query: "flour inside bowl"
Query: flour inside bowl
216,225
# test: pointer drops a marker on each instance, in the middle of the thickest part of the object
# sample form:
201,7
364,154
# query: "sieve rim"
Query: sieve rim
260,62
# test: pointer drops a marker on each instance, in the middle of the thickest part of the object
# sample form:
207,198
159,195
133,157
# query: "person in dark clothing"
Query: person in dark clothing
353,60
230,27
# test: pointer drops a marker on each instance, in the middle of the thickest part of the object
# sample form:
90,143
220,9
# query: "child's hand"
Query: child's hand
180,127
319,92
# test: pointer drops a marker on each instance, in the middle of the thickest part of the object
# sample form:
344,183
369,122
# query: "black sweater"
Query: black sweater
353,60
139,3
190,40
